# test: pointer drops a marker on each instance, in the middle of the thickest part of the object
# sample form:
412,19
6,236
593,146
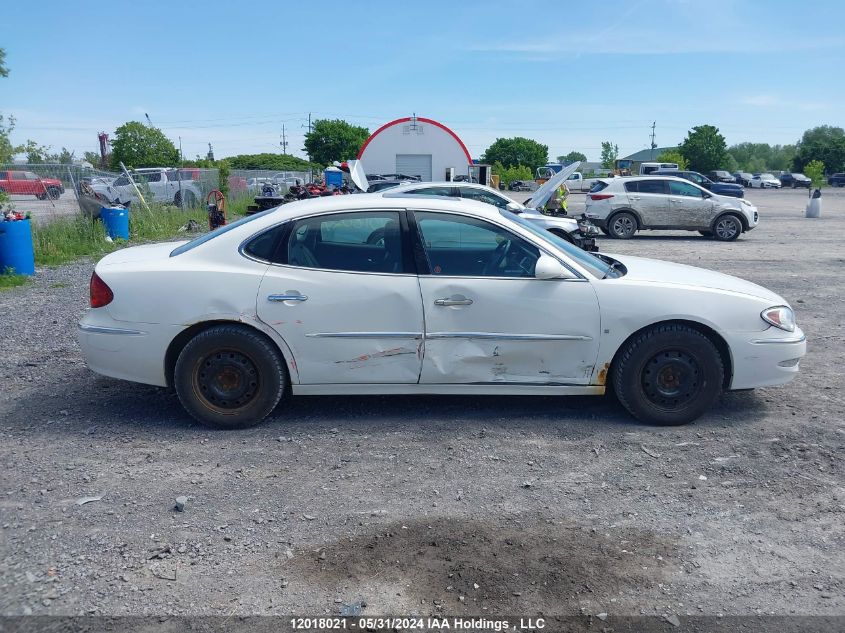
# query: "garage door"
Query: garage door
414,165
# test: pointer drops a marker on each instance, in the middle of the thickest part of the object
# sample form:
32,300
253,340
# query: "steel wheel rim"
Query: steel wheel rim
227,379
726,228
671,379
623,225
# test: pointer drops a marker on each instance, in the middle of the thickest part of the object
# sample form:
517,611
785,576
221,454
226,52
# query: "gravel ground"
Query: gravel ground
432,505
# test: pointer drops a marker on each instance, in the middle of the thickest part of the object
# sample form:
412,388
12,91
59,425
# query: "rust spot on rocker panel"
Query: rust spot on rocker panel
602,378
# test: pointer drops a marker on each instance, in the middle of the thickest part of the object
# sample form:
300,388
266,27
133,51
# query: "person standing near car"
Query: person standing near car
557,201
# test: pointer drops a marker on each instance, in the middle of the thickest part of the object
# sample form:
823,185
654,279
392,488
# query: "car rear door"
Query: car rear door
343,294
649,198
690,209
488,319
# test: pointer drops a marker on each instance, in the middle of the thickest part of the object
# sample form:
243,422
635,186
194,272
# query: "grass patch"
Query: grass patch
11,280
67,239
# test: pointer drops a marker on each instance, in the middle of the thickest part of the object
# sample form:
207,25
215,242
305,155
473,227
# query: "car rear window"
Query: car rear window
202,239
598,186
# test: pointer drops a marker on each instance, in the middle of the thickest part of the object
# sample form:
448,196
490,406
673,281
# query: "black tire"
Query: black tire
727,228
706,233
229,354
622,225
41,196
53,193
190,200
668,375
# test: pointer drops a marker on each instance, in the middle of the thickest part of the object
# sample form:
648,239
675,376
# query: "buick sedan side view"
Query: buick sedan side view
457,297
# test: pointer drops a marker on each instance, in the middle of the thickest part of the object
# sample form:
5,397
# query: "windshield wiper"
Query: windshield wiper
612,267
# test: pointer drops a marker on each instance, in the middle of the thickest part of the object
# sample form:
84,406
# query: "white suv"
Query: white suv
621,206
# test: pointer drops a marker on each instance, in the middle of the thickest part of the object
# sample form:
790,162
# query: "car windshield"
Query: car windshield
202,239
596,266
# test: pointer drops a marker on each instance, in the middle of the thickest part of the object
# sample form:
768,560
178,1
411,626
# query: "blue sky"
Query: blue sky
568,74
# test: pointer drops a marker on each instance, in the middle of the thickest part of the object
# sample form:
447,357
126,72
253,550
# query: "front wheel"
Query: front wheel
622,226
668,375
53,193
727,228
229,377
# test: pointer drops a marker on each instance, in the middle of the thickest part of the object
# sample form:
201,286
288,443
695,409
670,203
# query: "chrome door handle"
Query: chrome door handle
453,302
291,297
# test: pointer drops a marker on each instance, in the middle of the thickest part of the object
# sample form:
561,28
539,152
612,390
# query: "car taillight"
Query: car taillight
600,196
101,294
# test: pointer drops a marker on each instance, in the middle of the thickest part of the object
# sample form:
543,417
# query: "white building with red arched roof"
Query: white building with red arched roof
415,146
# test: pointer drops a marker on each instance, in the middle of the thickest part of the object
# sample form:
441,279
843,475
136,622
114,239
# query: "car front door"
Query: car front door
649,199
343,294
690,209
488,319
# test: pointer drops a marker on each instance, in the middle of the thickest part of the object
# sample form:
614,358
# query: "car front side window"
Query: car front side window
469,247
684,189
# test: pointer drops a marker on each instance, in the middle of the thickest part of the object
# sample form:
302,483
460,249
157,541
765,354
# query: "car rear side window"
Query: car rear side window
264,246
369,242
651,186
598,186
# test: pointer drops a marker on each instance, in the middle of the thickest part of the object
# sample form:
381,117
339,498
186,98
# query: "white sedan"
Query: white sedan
459,297
764,181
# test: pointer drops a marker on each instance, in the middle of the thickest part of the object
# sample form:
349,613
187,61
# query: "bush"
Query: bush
814,170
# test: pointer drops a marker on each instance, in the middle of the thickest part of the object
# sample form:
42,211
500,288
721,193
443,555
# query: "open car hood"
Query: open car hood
357,174
542,194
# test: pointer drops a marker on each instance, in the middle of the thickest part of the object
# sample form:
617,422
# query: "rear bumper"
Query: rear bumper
767,359
128,351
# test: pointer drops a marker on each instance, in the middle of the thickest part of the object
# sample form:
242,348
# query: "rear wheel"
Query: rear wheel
668,375
190,200
229,377
53,193
622,226
727,228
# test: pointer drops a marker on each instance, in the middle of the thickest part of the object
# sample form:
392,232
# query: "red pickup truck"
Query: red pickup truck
27,183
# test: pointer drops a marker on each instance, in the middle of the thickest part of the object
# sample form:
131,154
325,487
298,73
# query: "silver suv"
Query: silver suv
624,205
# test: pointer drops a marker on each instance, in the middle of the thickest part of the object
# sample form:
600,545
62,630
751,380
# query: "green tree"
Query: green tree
7,150
36,154
92,157
814,170
705,148
572,157
824,143
4,72
139,145
512,152
278,162
508,174
674,156
609,154
334,139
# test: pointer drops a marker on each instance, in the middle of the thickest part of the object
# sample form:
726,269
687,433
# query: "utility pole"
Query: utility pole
310,172
210,155
149,120
653,144
284,142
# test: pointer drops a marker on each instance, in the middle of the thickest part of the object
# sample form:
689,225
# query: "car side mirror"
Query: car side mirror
707,195
513,207
548,267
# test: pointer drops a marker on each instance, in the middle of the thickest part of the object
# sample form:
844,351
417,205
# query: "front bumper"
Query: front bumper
767,358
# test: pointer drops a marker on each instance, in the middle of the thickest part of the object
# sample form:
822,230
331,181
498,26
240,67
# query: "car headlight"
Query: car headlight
781,317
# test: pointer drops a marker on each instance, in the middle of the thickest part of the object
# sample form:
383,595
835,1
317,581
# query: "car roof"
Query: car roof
441,183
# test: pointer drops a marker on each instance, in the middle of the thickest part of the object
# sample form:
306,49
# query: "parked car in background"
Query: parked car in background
720,175
168,186
465,178
27,183
794,180
519,185
381,185
622,206
581,234
475,301
721,188
649,168
836,180
742,178
764,181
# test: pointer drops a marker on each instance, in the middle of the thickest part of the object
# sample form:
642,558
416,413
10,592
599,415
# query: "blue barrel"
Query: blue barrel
333,177
16,248
116,221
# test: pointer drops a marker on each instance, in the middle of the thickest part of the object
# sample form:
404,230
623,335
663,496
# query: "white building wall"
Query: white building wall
379,155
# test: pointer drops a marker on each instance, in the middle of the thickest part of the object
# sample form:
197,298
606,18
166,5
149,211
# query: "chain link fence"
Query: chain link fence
48,190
